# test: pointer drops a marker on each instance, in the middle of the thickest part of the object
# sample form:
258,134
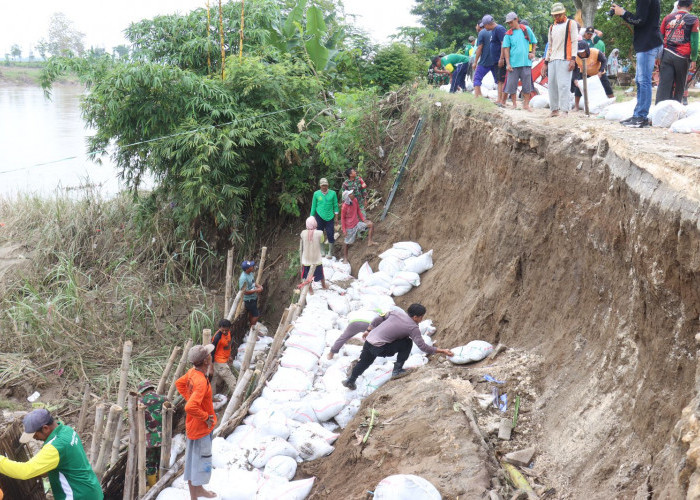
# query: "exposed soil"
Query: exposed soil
575,243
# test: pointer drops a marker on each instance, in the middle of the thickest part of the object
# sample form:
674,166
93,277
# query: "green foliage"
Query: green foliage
395,65
63,38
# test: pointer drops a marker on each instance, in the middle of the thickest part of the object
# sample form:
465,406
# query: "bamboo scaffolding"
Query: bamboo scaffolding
121,398
167,439
235,400
141,450
180,368
165,480
249,351
206,336
234,307
168,368
97,432
228,291
131,459
84,409
113,420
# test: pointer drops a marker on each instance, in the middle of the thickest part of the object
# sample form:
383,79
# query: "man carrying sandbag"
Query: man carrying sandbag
389,334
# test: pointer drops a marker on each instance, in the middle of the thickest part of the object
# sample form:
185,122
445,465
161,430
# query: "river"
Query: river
43,144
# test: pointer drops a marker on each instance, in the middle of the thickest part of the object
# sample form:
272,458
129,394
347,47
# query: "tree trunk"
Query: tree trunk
587,10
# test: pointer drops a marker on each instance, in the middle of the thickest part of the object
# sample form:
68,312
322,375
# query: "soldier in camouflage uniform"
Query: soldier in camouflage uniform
154,428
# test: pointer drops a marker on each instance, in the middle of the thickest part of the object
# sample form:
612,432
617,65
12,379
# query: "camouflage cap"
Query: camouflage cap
144,385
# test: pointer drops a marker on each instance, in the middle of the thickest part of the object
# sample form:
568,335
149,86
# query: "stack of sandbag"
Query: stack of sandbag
335,270
619,111
666,113
691,122
398,271
260,346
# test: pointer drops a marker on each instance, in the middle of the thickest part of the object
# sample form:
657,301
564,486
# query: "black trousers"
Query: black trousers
673,70
402,347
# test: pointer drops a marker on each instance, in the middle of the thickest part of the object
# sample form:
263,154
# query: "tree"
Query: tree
16,52
63,39
412,35
120,51
394,65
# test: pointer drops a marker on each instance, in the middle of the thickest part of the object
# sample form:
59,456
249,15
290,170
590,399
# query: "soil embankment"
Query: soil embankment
577,245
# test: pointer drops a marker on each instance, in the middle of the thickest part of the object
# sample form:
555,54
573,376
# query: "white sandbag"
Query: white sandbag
415,361
351,350
487,82
419,264
476,350
540,101
403,278
406,487
666,113
320,431
391,265
177,446
282,396
379,303
411,246
339,304
227,456
290,490
380,279
687,125
328,406
331,336
312,345
620,111
373,379
303,411
268,447
345,415
270,423
260,404
328,273
219,400
234,484
281,466
399,290
173,494
374,290
426,327
692,108
245,436
302,360
364,272
597,99
416,350
399,253
309,445
290,379
339,276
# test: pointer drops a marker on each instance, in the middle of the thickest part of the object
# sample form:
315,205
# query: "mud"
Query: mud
575,243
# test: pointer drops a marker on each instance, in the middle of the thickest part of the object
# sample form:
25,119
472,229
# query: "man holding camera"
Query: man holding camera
648,45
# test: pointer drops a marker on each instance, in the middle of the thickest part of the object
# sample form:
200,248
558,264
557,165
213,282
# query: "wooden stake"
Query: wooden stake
180,368
121,398
234,307
97,432
228,291
236,399
115,414
261,265
249,350
206,336
585,87
141,449
167,441
131,459
84,409
165,480
168,368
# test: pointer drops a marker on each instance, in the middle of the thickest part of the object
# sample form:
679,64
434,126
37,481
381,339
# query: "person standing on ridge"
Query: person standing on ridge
246,282
648,45
560,59
498,33
680,34
483,63
62,457
154,428
222,355
200,421
355,184
324,207
310,252
519,47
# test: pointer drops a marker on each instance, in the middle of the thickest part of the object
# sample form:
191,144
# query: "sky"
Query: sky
103,21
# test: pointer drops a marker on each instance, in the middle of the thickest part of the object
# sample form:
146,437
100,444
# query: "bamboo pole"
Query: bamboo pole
180,368
234,307
221,39
168,368
228,291
261,265
305,289
249,350
165,480
121,398
131,459
97,432
84,409
585,87
240,43
141,450
113,420
208,36
206,336
235,400
167,441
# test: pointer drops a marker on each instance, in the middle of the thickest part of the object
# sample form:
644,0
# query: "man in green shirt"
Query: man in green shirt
324,208
62,457
592,38
246,283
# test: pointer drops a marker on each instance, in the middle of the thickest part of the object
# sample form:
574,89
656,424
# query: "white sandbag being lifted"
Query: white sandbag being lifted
406,487
476,350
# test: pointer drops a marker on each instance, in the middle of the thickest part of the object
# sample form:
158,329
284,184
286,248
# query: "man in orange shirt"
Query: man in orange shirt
194,386
223,343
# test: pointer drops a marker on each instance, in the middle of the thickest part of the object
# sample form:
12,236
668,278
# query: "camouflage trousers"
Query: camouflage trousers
223,372
152,460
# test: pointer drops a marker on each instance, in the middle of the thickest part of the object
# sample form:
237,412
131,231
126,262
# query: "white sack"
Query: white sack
416,350
348,413
687,125
666,113
399,290
391,265
339,304
406,278
380,279
419,264
291,490
426,327
411,246
268,447
540,101
406,487
692,108
309,445
476,350
620,111
290,379
312,345
173,494
364,272
270,423
235,484
399,253
415,361
328,406
224,455
302,360
281,466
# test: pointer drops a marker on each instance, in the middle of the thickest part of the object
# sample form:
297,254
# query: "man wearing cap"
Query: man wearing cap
596,62
246,282
483,63
154,427
324,207
222,355
519,47
648,44
194,386
560,59
593,38
62,457
498,33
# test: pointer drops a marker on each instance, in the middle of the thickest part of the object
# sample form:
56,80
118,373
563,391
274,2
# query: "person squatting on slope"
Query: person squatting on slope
222,355
310,241
62,457
389,334
353,222
357,185
357,324
154,427
200,421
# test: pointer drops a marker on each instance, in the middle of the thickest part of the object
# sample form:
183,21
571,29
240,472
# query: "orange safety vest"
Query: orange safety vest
592,63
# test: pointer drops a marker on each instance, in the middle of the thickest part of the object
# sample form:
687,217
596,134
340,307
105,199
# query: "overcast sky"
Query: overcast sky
103,21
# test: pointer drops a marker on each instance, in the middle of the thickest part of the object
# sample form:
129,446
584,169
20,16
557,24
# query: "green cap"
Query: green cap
558,8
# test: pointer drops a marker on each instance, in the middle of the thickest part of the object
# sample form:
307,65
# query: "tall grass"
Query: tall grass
97,276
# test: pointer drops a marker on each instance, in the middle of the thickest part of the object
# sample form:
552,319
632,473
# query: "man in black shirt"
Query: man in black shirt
647,44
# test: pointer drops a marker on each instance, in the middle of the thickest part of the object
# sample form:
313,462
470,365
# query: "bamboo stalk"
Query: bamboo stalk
121,398
221,39
180,368
141,448
261,265
206,336
249,350
84,409
131,459
235,400
305,289
165,480
168,368
228,291
97,432
234,307
112,422
167,440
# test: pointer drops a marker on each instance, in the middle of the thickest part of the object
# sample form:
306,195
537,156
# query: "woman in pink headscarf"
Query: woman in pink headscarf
310,251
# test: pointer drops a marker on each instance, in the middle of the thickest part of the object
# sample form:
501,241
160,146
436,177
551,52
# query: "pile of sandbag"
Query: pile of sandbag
690,123
398,271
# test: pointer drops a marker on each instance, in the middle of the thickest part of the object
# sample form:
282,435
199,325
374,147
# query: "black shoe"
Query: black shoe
638,122
629,120
398,373
684,102
350,384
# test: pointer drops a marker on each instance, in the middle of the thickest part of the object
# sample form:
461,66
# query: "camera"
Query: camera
611,12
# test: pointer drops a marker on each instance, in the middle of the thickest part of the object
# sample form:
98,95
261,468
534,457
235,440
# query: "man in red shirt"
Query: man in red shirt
223,343
194,386
353,222
680,33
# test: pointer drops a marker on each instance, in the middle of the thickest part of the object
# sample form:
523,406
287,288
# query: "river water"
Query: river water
43,144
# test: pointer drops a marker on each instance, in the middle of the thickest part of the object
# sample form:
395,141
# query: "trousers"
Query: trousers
559,85
370,352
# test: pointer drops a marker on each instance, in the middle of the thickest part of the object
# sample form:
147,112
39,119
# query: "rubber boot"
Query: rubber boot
151,480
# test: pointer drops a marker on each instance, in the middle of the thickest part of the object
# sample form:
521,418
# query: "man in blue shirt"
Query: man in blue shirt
483,62
518,57
498,33
246,283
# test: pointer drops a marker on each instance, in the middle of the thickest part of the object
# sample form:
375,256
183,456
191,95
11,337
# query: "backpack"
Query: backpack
522,27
